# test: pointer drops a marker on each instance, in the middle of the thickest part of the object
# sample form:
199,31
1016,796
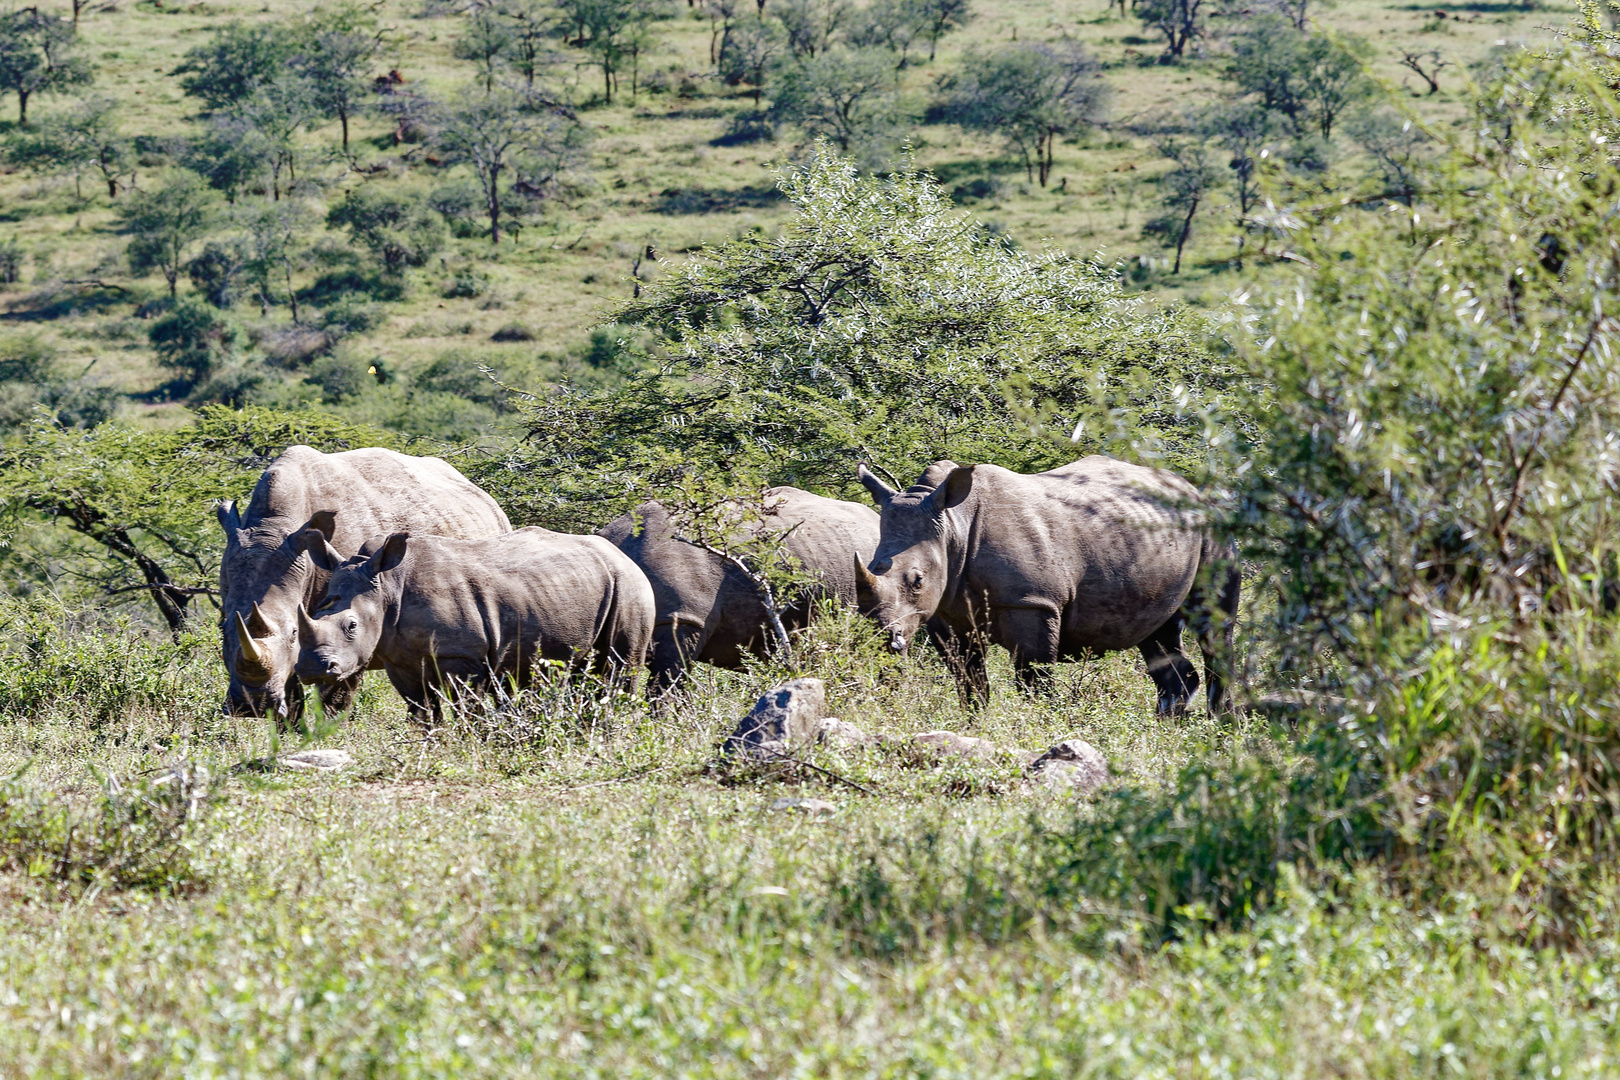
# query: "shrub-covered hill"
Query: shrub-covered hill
336,252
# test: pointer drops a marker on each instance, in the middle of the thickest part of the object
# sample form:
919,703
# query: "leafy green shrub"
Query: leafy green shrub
461,206
397,230
463,374
219,273
192,339
11,261
138,835
436,415
102,672
340,284
339,378
1431,502
465,286
513,331
348,315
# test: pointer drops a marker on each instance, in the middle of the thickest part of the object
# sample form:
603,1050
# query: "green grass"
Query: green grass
655,177
600,904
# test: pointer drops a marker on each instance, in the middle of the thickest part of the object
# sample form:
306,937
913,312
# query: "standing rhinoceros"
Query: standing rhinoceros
1095,556
434,612
265,576
708,609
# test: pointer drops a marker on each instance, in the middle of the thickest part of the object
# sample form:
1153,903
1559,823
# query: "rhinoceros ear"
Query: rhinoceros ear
390,555
229,519
954,489
321,553
323,522
881,492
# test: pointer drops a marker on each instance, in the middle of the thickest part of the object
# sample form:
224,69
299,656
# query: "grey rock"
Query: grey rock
316,759
808,806
1072,764
785,718
943,744
843,736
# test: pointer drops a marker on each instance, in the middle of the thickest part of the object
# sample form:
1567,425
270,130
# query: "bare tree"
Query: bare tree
1427,65
510,140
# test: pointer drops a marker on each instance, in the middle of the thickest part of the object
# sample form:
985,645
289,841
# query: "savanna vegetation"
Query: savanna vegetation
1374,320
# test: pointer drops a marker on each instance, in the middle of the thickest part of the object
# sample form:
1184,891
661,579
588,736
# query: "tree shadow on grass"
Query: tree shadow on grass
680,201
61,300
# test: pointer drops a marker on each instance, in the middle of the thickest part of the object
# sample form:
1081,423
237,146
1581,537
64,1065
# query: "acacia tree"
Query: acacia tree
845,95
84,138
1309,79
811,25
234,62
485,41
529,29
940,17
748,52
275,243
509,139
1186,188
36,57
879,325
603,28
163,224
1182,22
1243,130
1029,95
336,58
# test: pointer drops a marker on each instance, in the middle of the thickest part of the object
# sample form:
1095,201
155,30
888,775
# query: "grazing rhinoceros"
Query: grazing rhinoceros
264,575
434,612
1095,556
708,609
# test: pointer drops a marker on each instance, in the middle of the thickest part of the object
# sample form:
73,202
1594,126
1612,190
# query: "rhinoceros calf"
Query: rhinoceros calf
265,575
1092,557
435,612
708,609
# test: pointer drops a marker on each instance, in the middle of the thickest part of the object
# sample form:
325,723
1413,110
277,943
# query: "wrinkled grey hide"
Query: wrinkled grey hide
1092,557
708,610
265,575
435,612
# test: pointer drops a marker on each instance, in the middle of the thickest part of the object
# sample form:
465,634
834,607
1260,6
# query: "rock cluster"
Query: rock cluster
789,718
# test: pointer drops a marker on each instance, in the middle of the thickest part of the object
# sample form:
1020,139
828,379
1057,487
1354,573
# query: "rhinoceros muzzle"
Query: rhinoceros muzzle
897,641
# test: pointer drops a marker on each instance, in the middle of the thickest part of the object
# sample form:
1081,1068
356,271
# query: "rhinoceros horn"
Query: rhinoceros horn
251,652
306,627
863,576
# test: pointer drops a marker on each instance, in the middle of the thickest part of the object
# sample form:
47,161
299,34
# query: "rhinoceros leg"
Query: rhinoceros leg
1031,635
1170,670
964,654
1215,624
674,646
421,701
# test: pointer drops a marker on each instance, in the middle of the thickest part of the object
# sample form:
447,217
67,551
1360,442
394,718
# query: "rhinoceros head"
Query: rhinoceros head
909,573
262,582
341,637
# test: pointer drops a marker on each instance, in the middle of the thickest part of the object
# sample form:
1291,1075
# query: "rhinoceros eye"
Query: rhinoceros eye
349,627
915,579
